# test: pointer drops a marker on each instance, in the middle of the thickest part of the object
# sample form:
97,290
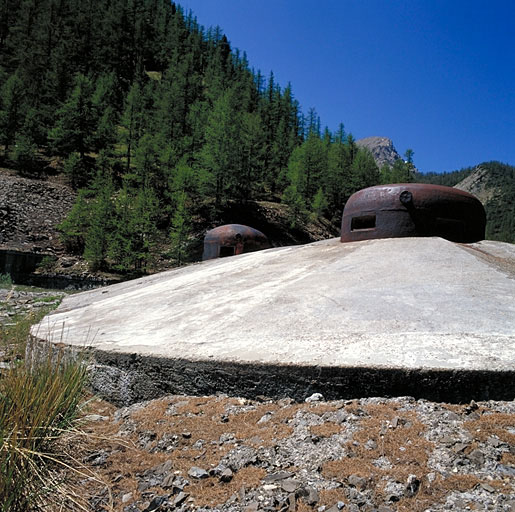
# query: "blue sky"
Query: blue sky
436,76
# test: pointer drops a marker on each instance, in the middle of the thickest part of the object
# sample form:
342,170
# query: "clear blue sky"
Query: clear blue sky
436,76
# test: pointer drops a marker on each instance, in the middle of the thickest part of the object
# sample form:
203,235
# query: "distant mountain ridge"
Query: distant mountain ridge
382,150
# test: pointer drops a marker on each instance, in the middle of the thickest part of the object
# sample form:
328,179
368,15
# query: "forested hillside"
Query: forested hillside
448,179
494,184
151,117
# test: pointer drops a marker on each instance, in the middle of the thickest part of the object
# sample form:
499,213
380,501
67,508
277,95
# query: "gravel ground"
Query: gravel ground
217,453
19,302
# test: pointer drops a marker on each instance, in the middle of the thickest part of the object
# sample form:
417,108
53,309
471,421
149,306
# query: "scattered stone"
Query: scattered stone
156,503
340,505
315,397
168,481
296,469
265,418
370,444
226,475
198,473
412,485
459,447
280,475
95,417
477,457
313,497
289,485
180,499
495,442
357,481
127,497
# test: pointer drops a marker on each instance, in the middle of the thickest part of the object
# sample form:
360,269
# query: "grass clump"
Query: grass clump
39,402
5,281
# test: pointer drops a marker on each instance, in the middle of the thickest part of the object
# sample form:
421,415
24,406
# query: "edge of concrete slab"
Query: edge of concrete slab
125,378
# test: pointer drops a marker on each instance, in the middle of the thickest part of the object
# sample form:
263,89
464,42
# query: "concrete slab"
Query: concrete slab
379,316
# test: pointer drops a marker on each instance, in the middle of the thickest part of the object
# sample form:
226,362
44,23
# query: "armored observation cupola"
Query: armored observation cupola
232,239
413,210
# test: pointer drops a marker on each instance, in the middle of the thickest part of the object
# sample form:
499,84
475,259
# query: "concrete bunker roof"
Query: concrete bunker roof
413,316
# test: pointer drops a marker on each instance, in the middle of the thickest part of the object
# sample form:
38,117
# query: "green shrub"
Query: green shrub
5,281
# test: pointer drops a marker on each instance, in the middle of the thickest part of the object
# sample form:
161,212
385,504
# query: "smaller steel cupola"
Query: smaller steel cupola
413,210
232,239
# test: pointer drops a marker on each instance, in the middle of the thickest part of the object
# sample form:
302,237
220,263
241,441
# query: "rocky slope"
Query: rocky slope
477,185
216,453
30,211
382,149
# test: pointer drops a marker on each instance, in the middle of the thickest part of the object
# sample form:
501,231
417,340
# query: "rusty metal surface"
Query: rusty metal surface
413,209
232,239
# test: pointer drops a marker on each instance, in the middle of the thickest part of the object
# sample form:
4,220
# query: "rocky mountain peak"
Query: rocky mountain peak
382,149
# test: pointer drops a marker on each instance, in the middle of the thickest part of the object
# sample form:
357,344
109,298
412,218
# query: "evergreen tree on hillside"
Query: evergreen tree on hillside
100,225
132,122
12,109
76,119
364,169
180,229
220,153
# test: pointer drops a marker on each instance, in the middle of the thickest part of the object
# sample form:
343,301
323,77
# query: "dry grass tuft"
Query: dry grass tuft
210,492
492,425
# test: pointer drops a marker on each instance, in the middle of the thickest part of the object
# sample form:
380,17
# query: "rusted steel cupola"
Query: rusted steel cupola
413,209
232,239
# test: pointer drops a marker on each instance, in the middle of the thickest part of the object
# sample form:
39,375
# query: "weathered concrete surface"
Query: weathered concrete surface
420,316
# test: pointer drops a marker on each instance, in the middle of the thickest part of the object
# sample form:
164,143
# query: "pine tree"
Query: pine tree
364,169
252,155
104,104
134,229
25,153
11,111
100,226
314,164
75,121
180,229
219,155
319,204
293,198
77,171
132,122
75,226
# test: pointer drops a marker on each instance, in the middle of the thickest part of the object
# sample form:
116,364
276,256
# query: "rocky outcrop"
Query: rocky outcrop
478,185
382,149
30,211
